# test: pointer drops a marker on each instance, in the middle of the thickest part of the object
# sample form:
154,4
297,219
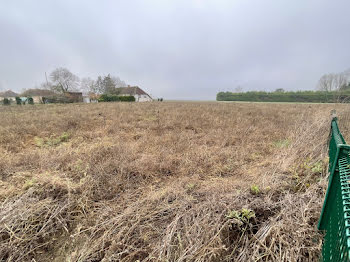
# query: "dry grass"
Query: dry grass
162,181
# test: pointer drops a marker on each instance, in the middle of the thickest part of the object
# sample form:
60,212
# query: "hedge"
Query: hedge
298,96
115,98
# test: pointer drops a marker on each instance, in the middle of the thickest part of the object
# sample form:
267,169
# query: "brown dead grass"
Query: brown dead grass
156,181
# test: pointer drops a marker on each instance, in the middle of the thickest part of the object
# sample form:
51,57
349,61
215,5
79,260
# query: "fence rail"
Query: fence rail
335,215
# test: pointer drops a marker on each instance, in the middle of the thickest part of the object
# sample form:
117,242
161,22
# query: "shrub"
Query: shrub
6,101
18,100
108,98
127,98
243,215
115,98
254,189
30,101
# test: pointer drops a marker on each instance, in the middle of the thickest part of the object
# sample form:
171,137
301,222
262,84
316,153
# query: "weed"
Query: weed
317,167
244,215
282,143
254,189
52,141
29,183
190,187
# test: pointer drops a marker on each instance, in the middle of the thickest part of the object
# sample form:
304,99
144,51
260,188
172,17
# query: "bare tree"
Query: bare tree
46,85
332,82
341,81
279,90
99,85
63,80
118,82
88,85
238,89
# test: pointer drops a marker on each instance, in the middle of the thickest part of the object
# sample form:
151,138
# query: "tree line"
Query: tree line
61,80
277,96
331,88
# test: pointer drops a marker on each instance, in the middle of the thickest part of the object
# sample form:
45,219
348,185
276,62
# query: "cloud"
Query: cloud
176,49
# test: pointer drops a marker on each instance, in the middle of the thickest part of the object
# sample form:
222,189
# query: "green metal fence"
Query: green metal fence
335,216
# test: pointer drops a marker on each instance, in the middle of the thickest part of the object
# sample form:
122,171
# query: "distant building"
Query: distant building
135,91
90,97
86,99
38,94
75,97
9,95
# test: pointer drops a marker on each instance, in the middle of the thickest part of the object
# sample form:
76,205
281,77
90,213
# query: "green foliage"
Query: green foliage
317,167
51,141
282,143
6,101
29,183
243,215
30,101
281,96
127,98
307,173
18,100
255,190
115,98
108,98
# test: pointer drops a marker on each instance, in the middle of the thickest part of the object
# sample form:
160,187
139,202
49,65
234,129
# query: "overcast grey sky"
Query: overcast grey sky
180,49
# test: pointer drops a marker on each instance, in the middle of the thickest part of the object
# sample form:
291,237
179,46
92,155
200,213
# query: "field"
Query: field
176,181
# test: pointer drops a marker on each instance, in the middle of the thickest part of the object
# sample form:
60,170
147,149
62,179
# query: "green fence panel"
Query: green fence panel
335,215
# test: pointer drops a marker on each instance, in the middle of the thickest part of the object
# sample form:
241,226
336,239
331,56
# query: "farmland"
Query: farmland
169,181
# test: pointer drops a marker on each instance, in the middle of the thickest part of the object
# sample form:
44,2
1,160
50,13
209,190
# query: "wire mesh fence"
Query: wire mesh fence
335,216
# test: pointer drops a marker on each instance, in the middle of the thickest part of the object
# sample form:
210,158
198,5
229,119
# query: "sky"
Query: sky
176,49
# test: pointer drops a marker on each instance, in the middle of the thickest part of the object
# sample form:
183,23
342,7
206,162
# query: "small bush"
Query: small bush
243,215
115,98
18,100
6,101
127,98
254,189
108,98
30,101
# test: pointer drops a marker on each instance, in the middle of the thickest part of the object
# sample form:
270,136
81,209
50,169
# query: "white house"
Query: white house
138,93
90,98
9,95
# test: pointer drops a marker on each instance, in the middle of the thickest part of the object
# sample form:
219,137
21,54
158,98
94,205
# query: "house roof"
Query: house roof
131,90
38,92
8,93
